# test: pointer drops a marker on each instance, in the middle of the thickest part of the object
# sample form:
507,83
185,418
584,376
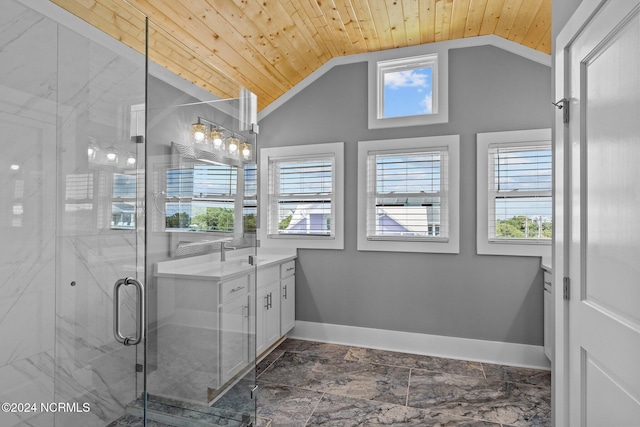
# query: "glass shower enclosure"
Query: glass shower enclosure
128,220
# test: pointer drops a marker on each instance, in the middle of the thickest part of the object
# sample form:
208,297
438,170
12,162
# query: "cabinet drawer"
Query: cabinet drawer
287,269
233,289
268,275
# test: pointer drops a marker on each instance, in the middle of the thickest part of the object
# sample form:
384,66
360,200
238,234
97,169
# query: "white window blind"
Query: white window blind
520,197
407,195
301,196
250,200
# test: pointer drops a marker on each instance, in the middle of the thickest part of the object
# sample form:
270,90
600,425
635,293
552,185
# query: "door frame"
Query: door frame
562,210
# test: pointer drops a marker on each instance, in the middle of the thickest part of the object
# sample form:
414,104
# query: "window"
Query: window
515,193
408,91
408,194
302,192
304,195
201,198
123,204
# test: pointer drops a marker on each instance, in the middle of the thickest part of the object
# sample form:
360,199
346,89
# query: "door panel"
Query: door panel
604,320
97,240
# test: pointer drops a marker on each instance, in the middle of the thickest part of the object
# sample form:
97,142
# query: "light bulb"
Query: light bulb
233,145
92,151
131,160
15,167
246,151
216,137
112,155
199,132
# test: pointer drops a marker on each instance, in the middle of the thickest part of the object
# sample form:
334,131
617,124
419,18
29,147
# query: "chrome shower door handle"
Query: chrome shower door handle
139,311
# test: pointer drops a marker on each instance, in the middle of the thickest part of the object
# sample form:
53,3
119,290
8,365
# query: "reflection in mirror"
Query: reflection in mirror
208,192
201,197
123,202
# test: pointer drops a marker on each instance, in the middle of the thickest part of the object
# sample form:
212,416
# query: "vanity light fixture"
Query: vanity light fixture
220,141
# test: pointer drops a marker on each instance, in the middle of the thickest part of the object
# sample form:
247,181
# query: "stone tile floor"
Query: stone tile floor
305,383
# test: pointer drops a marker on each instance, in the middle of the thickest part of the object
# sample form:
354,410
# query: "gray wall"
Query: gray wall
465,295
561,11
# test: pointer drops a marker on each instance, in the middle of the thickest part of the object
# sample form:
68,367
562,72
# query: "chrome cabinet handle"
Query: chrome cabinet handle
284,295
140,315
239,288
290,268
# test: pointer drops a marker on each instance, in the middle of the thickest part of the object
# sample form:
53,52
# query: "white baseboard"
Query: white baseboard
503,353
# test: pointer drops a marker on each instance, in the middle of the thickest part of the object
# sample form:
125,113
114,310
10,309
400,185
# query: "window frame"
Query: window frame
334,150
446,244
440,71
485,244
274,231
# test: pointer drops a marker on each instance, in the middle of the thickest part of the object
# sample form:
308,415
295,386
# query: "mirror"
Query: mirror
204,195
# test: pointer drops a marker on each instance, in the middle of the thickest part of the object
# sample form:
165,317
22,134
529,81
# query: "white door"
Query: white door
604,250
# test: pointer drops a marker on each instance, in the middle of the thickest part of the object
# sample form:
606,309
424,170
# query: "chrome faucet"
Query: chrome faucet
223,251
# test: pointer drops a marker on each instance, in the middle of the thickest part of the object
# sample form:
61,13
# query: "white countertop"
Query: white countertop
546,263
209,266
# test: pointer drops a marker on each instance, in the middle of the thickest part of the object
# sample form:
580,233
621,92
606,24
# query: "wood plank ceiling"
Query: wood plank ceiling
268,46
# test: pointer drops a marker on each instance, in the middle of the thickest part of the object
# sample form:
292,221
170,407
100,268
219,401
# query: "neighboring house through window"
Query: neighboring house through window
409,194
303,195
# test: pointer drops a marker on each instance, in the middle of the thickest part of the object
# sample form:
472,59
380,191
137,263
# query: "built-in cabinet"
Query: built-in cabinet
203,294
275,315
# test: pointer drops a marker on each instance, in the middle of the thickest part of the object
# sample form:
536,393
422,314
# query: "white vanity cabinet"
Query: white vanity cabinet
204,294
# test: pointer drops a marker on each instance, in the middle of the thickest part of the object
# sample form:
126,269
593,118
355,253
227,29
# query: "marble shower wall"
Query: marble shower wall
59,92
28,92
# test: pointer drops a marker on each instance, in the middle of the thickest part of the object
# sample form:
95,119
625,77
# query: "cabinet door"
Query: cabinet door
288,307
268,317
233,338
262,301
272,323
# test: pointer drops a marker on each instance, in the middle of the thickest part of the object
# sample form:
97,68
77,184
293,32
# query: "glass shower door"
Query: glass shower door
99,231
201,209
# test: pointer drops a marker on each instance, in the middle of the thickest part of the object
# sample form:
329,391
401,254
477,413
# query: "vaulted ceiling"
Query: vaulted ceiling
268,46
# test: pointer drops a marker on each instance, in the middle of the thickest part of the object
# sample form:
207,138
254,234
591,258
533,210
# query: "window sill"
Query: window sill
449,247
537,249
